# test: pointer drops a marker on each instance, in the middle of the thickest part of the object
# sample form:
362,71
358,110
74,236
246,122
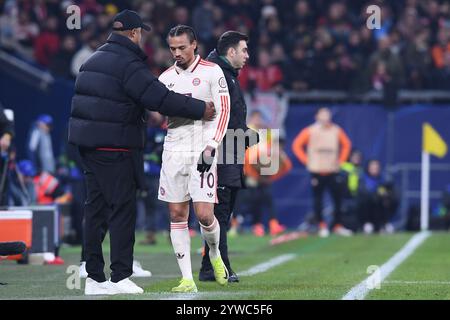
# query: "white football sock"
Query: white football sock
211,234
181,243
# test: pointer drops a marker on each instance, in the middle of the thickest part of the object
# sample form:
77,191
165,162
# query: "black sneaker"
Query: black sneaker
233,277
206,275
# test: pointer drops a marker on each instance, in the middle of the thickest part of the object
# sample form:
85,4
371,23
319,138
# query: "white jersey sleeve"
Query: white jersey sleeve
221,99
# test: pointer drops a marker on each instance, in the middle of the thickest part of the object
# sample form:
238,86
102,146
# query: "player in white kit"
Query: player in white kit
189,158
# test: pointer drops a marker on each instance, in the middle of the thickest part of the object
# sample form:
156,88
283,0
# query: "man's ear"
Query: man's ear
232,51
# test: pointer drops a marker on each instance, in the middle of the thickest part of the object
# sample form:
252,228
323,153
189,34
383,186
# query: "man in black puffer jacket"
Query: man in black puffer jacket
112,92
231,55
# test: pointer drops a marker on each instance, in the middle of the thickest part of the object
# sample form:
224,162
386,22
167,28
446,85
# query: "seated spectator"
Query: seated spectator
42,187
378,201
352,172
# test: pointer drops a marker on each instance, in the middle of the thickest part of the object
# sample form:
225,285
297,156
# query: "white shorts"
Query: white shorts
180,181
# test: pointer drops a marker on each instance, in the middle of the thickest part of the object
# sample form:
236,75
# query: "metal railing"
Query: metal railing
404,96
25,72
409,192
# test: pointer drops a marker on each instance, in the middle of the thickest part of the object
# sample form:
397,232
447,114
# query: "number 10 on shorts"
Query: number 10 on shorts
210,179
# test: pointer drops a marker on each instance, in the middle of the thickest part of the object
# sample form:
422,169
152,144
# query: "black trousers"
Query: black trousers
111,201
223,211
321,183
260,200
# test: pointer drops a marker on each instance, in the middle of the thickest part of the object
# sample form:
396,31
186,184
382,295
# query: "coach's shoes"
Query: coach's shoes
220,271
185,286
93,287
138,272
82,273
125,286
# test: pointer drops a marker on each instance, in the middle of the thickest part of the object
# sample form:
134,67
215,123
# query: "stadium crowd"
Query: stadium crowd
295,44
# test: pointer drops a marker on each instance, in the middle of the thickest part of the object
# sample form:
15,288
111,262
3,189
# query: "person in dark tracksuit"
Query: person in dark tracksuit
6,134
112,93
231,55
156,131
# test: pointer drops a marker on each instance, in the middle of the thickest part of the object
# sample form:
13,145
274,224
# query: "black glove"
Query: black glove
206,159
251,133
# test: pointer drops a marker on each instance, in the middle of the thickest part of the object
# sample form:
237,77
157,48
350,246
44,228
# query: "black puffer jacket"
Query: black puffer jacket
112,91
232,175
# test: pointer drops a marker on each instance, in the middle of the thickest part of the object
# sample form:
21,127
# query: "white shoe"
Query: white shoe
93,287
324,232
125,286
82,271
342,231
138,272
368,228
388,228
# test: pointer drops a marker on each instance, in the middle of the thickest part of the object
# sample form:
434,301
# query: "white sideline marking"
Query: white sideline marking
418,282
362,289
263,267
197,295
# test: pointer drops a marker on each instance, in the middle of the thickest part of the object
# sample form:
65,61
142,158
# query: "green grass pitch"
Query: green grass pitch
320,269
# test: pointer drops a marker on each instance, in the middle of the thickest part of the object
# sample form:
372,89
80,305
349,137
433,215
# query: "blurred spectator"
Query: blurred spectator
266,76
441,48
385,65
43,188
24,33
156,131
83,54
298,70
258,193
442,75
336,43
378,200
418,61
40,147
327,148
61,63
47,43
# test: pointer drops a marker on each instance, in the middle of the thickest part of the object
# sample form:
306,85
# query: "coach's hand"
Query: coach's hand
210,111
206,159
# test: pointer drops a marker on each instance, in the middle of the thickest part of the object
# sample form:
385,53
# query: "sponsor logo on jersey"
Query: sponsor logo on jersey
162,191
222,82
179,255
210,194
170,85
196,81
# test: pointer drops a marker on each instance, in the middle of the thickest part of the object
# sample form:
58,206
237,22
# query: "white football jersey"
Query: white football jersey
205,81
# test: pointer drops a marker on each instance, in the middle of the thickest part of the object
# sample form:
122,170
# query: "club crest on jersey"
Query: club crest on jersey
196,81
222,82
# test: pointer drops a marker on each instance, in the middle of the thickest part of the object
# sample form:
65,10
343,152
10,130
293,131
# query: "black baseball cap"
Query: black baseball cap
129,20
